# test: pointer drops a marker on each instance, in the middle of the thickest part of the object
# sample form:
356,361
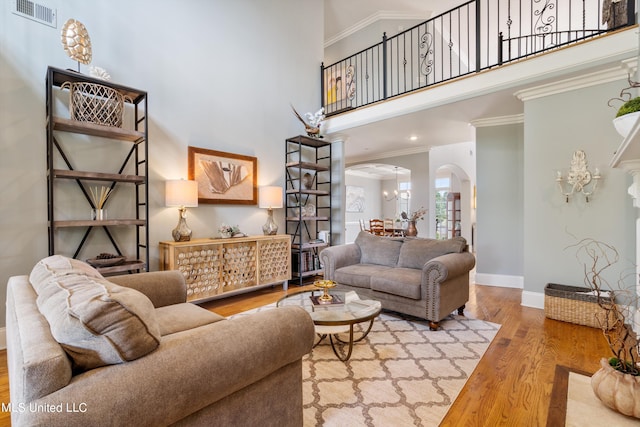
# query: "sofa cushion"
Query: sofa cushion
97,322
378,250
403,282
416,252
181,317
359,275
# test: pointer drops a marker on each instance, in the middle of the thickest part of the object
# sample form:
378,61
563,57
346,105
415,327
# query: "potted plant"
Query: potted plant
629,112
617,383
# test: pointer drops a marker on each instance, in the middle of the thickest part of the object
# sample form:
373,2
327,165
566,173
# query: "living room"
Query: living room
222,76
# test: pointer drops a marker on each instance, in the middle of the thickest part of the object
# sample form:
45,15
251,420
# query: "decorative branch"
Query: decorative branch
623,93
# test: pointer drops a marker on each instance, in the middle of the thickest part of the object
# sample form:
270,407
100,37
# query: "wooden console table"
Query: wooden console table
223,267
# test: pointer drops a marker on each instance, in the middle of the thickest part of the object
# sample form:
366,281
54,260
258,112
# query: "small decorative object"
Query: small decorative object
411,219
106,260
99,73
578,177
99,198
617,383
312,127
76,41
325,285
308,210
307,180
270,198
95,103
228,231
183,194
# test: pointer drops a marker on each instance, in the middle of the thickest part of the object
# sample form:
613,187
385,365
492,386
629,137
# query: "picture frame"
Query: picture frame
355,198
223,178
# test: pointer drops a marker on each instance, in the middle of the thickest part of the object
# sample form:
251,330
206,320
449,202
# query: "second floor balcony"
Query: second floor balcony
473,37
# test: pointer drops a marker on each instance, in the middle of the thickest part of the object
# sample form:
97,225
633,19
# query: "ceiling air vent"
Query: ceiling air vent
36,12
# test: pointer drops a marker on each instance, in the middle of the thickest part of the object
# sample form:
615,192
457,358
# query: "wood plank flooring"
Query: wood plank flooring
512,384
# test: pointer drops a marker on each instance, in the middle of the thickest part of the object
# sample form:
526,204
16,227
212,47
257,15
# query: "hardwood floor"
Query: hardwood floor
512,384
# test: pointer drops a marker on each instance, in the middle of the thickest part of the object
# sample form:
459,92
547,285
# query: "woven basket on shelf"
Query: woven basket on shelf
95,103
572,304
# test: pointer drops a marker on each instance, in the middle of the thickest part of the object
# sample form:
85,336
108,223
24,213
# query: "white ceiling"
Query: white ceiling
436,126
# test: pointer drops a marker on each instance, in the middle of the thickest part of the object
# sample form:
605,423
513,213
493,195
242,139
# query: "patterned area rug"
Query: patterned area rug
402,373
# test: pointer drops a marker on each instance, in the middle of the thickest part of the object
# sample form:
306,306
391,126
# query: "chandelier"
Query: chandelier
397,194
579,179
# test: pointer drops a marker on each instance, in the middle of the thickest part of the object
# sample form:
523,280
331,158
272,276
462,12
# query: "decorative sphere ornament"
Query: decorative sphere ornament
76,41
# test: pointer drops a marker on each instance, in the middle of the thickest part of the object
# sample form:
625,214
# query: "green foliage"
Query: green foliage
630,106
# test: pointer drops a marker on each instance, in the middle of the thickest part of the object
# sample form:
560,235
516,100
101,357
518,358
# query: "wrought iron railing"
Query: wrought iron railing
474,36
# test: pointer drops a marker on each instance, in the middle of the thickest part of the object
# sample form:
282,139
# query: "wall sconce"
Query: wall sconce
184,194
578,178
270,198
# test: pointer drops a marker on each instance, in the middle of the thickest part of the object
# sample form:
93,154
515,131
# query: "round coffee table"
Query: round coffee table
334,319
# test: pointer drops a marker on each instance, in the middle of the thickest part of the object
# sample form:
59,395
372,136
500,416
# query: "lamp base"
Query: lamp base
182,233
270,227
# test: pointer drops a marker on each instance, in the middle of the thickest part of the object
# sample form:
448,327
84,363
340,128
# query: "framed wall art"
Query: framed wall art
224,178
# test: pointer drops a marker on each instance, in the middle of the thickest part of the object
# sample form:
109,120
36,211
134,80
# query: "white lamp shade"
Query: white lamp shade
180,192
270,197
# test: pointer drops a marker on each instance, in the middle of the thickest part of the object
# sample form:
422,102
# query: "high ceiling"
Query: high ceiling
419,130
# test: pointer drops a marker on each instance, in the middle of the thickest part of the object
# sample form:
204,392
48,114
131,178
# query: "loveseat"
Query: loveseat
86,351
426,278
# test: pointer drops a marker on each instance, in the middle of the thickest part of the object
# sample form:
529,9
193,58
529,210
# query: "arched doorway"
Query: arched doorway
374,190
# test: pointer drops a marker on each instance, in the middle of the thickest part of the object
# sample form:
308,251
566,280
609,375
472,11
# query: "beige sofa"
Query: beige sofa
426,278
162,361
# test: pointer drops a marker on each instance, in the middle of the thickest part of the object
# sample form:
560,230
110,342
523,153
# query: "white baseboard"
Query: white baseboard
501,280
3,338
529,299
533,299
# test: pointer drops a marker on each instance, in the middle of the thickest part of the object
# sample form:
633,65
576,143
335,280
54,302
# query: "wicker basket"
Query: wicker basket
572,304
95,103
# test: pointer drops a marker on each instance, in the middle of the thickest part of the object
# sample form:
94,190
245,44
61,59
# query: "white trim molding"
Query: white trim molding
3,338
498,121
500,280
532,299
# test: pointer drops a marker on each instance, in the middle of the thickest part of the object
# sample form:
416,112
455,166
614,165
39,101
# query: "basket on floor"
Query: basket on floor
95,103
572,304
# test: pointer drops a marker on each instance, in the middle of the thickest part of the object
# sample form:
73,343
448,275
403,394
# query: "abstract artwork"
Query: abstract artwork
355,198
224,177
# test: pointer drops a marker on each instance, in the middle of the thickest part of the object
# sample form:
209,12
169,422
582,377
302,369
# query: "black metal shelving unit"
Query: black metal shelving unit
308,182
131,176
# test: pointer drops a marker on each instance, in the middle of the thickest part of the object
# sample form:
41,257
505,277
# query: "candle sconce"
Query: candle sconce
578,178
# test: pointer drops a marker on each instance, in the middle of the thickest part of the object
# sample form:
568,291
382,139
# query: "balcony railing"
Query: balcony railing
474,36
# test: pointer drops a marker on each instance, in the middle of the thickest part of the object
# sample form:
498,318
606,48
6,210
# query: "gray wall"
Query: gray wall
555,127
499,198
220,75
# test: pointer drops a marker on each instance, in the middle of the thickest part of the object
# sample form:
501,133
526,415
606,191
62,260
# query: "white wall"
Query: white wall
461,160
372,190
220,75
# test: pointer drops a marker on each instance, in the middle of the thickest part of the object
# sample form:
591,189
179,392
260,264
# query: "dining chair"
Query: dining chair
376,226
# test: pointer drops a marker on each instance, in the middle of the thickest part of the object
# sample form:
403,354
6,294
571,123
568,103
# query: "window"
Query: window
443,185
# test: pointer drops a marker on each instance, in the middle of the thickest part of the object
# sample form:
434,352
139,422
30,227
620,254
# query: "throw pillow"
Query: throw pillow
416,252
97,322
378,250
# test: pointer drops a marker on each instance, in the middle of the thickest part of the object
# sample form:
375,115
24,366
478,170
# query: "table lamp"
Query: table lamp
184,194
270,197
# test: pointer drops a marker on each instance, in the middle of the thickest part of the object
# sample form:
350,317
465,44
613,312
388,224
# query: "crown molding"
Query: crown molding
387,154
377,16
626,67
498,121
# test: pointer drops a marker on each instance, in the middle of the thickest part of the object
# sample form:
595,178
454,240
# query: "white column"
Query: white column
633,168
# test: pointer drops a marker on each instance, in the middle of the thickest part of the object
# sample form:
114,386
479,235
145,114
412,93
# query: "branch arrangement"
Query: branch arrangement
616,317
